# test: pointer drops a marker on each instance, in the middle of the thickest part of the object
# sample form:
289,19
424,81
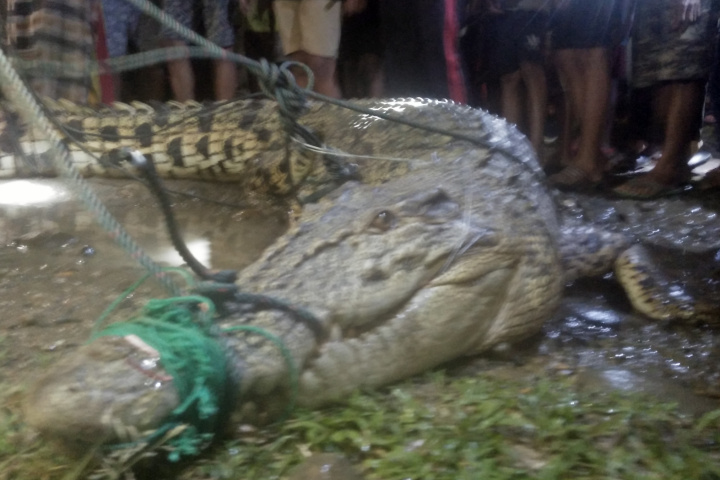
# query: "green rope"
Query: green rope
106,313
187,276
195,360
193,353
287,356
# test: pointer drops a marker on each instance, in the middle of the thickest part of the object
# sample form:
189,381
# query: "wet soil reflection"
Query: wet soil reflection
59,270
597,336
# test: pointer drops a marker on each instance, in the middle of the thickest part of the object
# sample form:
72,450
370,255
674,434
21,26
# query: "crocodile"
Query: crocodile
445,249
455,257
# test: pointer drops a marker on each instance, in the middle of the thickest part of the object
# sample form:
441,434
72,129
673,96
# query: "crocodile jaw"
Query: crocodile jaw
100,393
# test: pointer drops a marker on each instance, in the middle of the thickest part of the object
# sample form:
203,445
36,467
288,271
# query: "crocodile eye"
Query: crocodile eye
383,221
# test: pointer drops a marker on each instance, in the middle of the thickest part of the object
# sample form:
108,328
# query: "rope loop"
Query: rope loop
193,356
279,83
193,350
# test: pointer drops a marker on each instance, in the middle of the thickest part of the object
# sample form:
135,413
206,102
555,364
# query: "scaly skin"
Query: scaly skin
451,258
238,141
447,253
243,141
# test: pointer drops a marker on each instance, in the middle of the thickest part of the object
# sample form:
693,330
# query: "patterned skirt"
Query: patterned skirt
662,52
58,31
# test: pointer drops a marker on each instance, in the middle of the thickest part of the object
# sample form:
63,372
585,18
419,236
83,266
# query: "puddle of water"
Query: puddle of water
624,351
59,270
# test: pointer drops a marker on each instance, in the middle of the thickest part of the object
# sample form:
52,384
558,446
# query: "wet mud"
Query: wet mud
597,335
59,271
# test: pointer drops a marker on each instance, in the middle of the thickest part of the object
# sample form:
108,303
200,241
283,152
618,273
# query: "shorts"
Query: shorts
121,20
586,24
308,25
519,36
216,18
661,54
124,25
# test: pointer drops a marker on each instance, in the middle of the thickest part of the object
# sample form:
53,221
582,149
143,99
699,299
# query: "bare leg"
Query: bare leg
596,67
565,115
370,65
511,97
182,78
682,103
585,75
377,84
683,109
323,69
533,75
225,79
570,79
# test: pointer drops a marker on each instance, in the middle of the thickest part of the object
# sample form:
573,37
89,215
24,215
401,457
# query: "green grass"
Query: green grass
470,428
436,427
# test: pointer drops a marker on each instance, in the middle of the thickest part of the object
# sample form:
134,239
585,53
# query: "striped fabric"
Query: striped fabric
56,30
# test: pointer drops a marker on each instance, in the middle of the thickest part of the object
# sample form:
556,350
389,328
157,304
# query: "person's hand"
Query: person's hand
686,12
351,7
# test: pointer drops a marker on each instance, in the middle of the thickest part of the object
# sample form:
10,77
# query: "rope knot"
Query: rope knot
278,82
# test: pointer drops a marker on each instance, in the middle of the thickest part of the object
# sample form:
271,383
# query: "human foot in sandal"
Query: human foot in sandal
647,188
572,178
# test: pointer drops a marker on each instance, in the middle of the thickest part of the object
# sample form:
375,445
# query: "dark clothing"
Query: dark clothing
362,32
215,15
421,48
586,24
519,36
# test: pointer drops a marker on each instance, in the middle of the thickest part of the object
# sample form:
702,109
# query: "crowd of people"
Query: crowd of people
542,64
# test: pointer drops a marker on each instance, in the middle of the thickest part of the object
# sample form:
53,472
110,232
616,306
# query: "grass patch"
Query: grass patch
436,427
468,428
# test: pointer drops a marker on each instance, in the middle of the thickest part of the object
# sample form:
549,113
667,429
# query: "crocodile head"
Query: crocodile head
440,263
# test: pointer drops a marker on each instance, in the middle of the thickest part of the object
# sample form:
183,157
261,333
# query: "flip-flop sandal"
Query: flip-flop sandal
698,159
572,179
642,188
